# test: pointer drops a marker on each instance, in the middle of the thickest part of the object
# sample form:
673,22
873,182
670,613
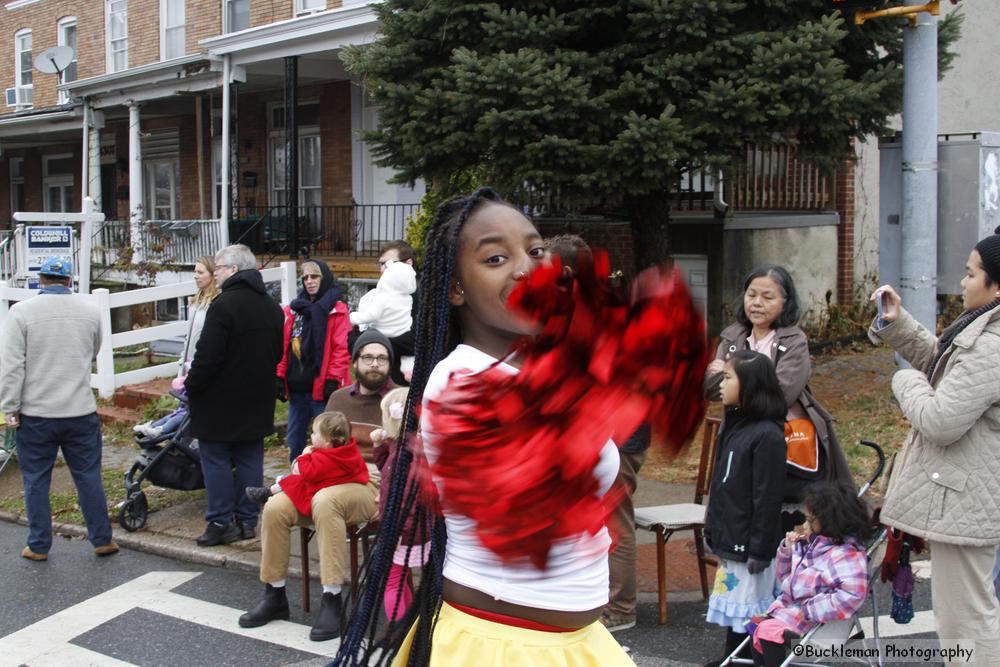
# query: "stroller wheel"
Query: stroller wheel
133,513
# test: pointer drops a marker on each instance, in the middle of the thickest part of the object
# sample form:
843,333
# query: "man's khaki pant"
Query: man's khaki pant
964,600
333,508
621,561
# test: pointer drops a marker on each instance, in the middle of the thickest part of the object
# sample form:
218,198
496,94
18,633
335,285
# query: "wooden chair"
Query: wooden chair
665,520
359,535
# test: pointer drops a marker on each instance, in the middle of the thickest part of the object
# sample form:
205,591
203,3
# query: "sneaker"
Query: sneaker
258,494
218,533
26,552
107,549
148,431
615,623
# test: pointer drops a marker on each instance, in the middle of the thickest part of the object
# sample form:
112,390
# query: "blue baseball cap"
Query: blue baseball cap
59,266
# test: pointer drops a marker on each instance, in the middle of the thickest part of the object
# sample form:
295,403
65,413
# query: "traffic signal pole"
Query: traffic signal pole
918,273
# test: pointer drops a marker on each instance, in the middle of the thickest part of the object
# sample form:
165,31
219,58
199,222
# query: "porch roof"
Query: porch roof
329,30
55,123
157,80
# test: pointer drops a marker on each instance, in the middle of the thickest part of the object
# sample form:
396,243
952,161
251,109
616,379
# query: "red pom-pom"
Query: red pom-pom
517,452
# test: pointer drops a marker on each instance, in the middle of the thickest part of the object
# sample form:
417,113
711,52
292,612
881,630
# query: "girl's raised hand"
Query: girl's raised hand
716,366
377,436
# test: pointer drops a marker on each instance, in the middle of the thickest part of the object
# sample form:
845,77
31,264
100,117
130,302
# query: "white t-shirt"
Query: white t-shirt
576,578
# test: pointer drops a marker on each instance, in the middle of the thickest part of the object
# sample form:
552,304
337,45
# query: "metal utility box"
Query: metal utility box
968,203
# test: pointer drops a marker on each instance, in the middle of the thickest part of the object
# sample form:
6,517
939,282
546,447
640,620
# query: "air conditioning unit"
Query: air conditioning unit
19,97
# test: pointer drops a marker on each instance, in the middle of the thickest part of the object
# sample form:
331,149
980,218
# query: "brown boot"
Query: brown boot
31,555
106,549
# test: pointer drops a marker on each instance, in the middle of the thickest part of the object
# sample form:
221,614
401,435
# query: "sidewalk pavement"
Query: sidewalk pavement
171,532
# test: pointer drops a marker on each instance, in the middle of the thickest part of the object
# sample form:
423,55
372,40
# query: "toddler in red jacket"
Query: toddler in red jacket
331,459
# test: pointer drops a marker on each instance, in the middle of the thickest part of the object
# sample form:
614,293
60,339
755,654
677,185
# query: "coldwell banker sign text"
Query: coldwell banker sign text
45,242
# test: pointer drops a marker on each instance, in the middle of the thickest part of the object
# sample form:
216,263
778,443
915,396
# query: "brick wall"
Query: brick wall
203,19
844,203
144,32
263,12
42,19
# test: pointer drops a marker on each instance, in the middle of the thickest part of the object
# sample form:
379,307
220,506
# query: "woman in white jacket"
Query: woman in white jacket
388,307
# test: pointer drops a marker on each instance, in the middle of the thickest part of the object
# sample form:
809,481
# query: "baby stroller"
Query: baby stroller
170,460
838,633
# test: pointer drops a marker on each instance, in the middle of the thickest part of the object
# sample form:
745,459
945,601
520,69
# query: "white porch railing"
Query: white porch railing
105,380
179,242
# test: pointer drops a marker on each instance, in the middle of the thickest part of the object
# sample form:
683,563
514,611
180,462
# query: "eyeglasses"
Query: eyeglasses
312,276
223,266
372,360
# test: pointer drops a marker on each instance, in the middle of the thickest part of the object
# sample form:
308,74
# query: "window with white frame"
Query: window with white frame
235,15
310,195
57,182
309,6
171,29
16,184
163,188
67,37
22,67
116,33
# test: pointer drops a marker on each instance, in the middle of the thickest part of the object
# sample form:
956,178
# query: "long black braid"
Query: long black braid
436,334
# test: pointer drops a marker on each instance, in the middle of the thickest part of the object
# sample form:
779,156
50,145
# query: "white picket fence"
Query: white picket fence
105,380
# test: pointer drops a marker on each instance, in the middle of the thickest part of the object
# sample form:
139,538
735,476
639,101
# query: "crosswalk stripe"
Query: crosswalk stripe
71,654
923,621
220,617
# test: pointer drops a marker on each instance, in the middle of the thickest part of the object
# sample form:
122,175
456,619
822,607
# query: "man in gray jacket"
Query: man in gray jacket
48,343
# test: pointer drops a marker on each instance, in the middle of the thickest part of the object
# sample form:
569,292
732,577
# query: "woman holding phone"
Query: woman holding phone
946,479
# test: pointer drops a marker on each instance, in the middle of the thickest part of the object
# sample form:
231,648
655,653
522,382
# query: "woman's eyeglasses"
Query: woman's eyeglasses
312,276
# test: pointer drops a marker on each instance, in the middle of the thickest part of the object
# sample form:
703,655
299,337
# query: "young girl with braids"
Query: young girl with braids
473,608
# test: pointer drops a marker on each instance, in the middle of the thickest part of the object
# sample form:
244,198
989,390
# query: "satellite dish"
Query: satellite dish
54,60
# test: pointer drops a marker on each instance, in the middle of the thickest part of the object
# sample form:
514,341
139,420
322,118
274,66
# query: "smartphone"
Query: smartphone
880,303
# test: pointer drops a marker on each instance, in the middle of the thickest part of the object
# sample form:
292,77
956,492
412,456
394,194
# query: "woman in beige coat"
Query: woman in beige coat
946,482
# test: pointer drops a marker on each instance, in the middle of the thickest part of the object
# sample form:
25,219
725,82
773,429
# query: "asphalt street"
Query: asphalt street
139,609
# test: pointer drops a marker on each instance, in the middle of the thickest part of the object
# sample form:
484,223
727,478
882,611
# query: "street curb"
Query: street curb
162,545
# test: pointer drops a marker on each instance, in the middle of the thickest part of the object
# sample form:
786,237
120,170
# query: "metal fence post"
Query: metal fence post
105,355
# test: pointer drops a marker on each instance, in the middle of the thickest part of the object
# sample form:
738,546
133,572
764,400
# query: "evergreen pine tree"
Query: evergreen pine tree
604,105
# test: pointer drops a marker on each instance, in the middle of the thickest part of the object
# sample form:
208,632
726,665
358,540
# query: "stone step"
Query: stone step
113,414
136,396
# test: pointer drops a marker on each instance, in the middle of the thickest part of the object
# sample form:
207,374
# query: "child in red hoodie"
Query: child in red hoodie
333,458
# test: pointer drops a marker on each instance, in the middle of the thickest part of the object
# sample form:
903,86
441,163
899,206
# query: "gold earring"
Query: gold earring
461,290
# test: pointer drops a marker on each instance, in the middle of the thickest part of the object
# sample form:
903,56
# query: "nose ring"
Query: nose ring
519,275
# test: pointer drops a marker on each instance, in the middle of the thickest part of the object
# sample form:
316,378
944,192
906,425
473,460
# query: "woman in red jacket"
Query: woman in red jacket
316,361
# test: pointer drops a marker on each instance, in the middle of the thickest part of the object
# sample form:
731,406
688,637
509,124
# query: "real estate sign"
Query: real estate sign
45,242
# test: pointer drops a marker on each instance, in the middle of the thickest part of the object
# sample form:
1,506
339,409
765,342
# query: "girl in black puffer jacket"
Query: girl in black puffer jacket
743,523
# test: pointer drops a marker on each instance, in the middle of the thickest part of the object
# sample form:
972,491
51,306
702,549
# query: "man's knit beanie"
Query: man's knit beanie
989,252
371,336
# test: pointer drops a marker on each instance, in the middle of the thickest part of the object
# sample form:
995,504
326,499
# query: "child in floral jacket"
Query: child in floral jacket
822,569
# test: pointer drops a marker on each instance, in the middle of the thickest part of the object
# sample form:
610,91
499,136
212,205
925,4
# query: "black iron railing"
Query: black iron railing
358,230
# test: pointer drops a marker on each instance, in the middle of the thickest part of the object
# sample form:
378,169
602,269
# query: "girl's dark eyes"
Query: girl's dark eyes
538,252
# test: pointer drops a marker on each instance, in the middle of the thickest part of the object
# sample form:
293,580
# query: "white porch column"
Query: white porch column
135,183
94,157
226,195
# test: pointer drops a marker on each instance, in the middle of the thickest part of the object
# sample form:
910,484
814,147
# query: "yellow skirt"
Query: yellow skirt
460,639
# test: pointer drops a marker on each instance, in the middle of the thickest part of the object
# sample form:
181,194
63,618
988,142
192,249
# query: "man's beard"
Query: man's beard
373,380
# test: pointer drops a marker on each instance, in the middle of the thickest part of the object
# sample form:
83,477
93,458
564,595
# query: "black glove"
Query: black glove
329,387
279,392
755,566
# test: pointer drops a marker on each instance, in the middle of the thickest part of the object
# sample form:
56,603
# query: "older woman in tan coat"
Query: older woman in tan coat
946,482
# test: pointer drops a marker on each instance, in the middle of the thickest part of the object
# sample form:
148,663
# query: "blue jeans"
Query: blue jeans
170,423
229,468
39,440
302,409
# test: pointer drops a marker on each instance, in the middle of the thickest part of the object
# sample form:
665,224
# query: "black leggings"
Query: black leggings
774,654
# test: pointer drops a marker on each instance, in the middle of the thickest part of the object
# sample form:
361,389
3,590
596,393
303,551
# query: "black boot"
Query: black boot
248,530
218,533
328,620
274,607
733,641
